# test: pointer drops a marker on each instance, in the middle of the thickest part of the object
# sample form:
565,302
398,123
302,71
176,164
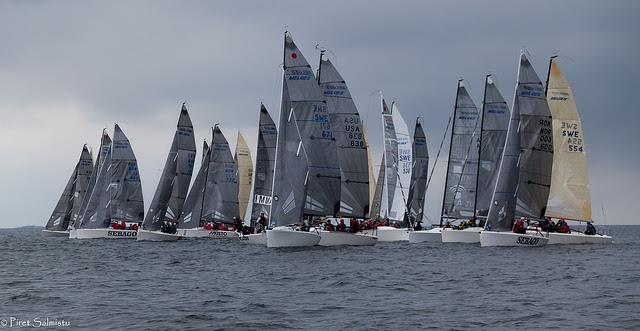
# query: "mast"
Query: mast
446,179
484,107
546,83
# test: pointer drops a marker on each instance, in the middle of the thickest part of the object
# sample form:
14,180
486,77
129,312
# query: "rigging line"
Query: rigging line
444,136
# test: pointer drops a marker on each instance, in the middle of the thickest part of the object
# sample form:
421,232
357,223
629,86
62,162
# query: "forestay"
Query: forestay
495,122
569,193
171,192
462,167
350,140
265,163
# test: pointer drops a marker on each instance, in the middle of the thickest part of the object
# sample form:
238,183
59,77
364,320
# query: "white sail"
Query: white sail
402,165
242,157
390,160
569,193
372,178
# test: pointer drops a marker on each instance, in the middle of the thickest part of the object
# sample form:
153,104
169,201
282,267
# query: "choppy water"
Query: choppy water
222,284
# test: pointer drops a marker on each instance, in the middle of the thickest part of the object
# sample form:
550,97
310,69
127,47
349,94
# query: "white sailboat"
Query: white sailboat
306,179
116,198
522,187
70,201
569,195
161,220
352,156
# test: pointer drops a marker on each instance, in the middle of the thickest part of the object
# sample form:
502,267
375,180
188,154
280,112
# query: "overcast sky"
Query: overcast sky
68,69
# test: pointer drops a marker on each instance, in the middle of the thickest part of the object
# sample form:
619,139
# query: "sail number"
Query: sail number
321,116
572,135
546,135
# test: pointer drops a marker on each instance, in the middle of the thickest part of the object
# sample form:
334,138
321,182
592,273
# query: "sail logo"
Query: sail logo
530,241
299,74
262,199
122,233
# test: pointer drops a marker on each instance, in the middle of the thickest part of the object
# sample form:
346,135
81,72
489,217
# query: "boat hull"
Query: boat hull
105,233
287,237
254,238
335,238
144,235
577,238
468,235
389,233
52,233
492,238
202,233
432,236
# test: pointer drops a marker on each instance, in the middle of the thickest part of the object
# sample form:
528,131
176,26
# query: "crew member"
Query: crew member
562,226
341,226
591,230
519,227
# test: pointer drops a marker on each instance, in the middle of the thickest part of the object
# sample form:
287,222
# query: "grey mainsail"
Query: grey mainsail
126,203
390,159
378,194
524,177
81,182
460,183
495,122
61,214
105,145
97,214
350,140
307,179
192,208
419,174
220,198
170,194
265,163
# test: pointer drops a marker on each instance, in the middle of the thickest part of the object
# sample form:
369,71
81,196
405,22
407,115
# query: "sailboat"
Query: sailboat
397,176
460,183
569,196
171,192
307,177
352,155
524,178
417,190
219,202
70,201
189,221
116,198
242,157
263,177
105,145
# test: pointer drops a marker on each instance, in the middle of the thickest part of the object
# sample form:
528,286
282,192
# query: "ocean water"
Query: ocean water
222,284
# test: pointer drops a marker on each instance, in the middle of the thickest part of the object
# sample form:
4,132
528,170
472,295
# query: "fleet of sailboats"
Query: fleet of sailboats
508,173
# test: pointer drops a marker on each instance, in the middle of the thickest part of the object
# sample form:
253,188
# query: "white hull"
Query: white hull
156,236
105,233
335,238
389,233
51,233
73,234
577,238
287,237
254,238
492,238
202,233
468,235
432,236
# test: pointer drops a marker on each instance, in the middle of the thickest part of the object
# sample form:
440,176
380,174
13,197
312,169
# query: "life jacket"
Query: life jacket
518,227
134,227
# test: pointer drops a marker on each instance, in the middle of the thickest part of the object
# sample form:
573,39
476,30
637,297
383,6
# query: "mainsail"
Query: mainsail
460,183
105,145
495,122
390,160
265,163
401,166
242,157
125,189
569,193
522,188
97,215
63,211
378,195
192,208
349,136
220,200
372,179
307,176
81,183
170,194
419,174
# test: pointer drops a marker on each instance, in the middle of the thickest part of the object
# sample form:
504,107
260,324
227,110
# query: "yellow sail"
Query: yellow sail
569,195
372,179
245,173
